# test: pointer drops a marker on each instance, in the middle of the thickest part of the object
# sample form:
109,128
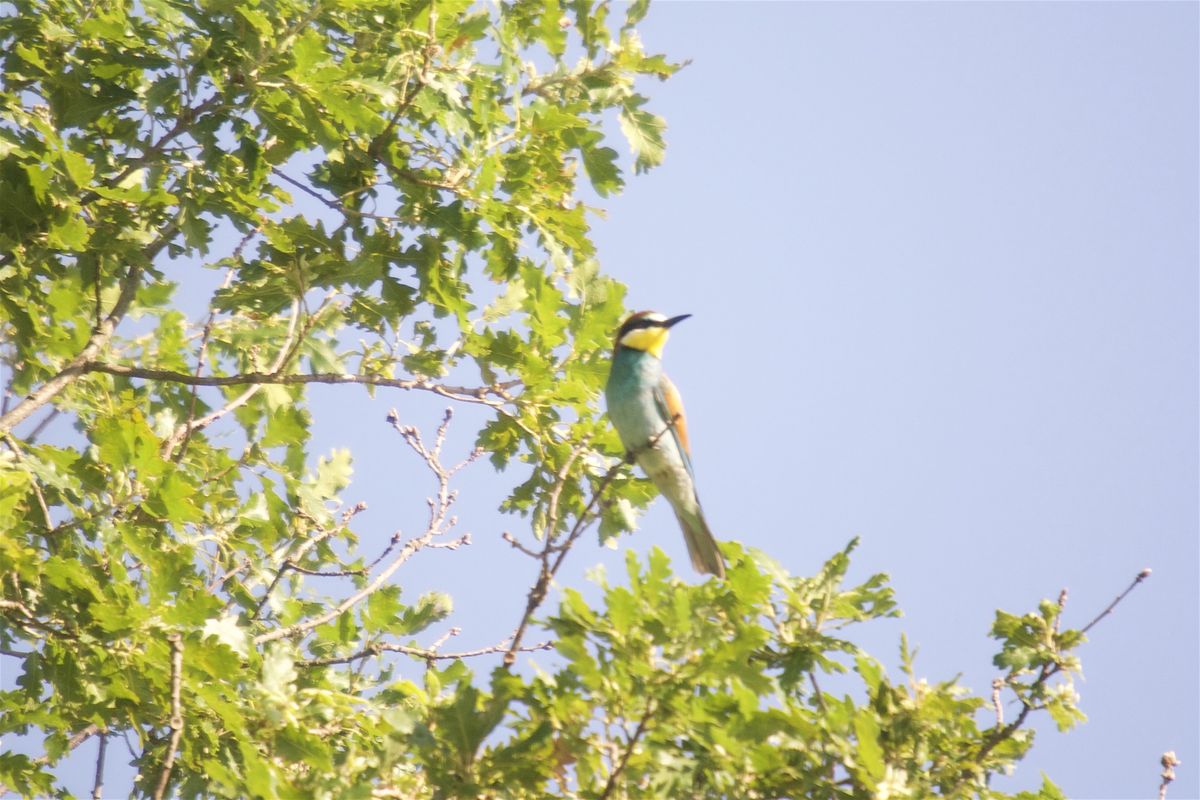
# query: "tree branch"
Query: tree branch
428,654
1047,671
1141,576
479,394
96,342
176,713
41,426
75,740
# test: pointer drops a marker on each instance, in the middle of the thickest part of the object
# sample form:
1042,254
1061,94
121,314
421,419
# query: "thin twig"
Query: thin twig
427,654
176,713
1141,576
336,205
219,582
374,150
96,295
72,743
512,540
186,118
440,522
560,480
537,593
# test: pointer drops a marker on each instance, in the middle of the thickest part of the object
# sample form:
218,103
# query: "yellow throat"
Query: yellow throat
651,340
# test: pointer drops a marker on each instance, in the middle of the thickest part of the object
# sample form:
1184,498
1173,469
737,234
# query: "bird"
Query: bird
647,412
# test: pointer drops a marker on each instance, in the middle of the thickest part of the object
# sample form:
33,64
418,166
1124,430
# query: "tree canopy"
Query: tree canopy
186,574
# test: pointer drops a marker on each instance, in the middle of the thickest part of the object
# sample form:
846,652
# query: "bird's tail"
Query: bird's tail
701,544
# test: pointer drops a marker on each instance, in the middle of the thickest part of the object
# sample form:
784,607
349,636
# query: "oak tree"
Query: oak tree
184,572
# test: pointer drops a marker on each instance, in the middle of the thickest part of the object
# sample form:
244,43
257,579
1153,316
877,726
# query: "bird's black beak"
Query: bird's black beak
671,322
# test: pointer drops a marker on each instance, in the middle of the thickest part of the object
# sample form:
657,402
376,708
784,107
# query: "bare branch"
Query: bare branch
176,713
481,394
428,654
440,521
453,544
445,637
1141,576
512,540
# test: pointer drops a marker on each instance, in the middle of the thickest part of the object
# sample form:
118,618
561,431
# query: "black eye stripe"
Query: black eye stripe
640,322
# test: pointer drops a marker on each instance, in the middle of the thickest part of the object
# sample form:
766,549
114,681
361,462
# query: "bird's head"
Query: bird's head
647,331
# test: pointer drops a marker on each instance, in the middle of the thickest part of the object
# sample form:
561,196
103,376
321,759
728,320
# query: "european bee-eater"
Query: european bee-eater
646,411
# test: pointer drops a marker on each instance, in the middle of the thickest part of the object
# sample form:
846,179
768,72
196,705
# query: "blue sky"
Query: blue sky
943,265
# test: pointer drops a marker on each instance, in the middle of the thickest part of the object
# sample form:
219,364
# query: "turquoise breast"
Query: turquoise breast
630,396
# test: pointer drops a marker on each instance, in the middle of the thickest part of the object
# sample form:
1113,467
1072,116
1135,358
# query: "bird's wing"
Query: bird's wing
670,405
